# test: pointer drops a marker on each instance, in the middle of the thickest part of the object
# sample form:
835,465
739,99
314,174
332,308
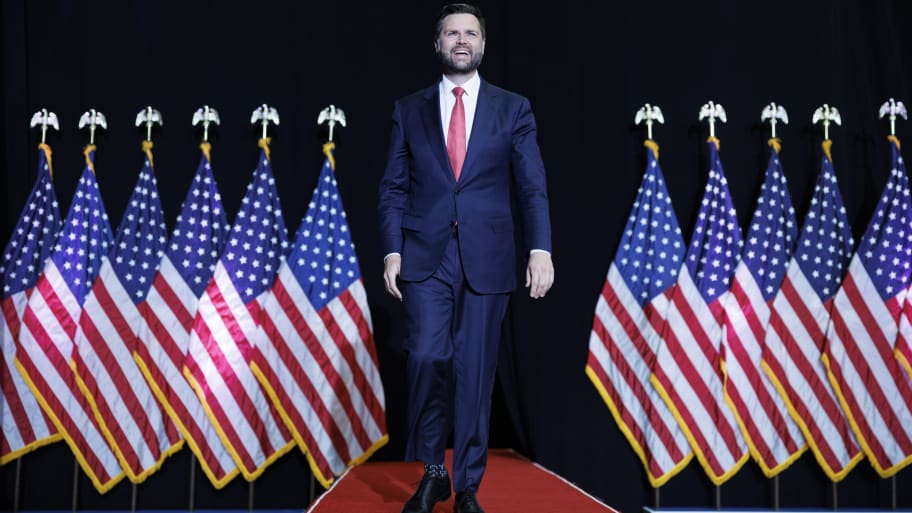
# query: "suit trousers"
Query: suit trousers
452,346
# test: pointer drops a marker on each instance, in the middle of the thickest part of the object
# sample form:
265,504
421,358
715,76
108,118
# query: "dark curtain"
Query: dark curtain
586,66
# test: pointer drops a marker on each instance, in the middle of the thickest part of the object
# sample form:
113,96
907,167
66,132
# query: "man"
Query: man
459,151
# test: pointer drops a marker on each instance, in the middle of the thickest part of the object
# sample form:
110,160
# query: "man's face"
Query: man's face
460,45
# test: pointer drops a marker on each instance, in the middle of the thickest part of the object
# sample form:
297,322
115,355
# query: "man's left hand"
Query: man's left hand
539,274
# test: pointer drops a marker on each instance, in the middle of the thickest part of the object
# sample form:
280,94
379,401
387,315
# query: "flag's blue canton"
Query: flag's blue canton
652,248
323,257
825,246
200,232
773,231
85,238
34,235
258,239
886,248
716,241
141,237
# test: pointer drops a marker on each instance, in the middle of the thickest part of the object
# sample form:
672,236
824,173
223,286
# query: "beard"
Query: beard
451,66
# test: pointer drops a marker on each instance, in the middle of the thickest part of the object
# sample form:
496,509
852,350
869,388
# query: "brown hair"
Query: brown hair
449,9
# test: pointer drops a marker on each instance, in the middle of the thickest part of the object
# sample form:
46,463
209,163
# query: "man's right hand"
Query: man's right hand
391,267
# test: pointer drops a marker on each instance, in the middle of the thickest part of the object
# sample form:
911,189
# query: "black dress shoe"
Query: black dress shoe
430,491
466,502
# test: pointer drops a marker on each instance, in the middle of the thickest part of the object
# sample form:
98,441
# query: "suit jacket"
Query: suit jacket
421,203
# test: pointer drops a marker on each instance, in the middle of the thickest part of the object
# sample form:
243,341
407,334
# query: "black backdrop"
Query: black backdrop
587,66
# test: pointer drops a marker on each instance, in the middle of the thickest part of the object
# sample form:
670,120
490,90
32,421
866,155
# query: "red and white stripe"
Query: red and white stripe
621,349
163,339
321,370
874,391
774,439
25,426
129,415
791,359
903,350
217,366
43,354
688,376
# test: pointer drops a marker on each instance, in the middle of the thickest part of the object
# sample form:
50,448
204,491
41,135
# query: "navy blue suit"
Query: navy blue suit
458,260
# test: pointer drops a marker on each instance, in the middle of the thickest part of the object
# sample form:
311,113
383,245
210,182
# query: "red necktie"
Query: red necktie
456,135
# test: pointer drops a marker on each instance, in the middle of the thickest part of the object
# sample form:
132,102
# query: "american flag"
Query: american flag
798,320
771,434
625,331
317,358
872,387
225,330
131,418
168,311
686,371
45,347
25,426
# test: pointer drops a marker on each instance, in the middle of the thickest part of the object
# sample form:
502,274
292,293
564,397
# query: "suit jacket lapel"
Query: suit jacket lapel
433,130
480,126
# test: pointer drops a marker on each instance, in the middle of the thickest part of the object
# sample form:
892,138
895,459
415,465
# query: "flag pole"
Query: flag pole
75,482
150,117
650,114
893,108
826,114
93,119
19,473
330,115
313,481
205,116
712,111
776,492
774,113
250,496
192,481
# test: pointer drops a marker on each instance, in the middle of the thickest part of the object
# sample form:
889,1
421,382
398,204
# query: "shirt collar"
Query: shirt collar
471,86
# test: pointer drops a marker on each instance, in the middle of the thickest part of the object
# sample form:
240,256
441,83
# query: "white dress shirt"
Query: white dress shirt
448,100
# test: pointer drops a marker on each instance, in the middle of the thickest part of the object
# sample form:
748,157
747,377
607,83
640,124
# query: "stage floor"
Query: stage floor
512,484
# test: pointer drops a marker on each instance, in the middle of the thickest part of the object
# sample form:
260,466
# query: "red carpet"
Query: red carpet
512,484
